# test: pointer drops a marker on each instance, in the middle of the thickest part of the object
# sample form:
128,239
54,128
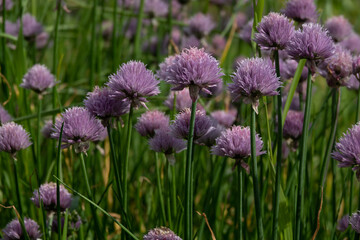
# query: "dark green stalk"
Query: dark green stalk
114,161
302,156
138,30
3,40
17,188
113,38
173,190
39,135
158,181
126,161
188,225
279,154
56,31
357,120
254,174
239,200
93,46
59,175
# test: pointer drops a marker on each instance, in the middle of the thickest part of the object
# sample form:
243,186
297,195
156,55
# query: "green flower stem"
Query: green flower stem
56,32
239,200
173,191
279,154
302,156
126,161
17,188
38,150
91,197
188,225
59,175
357,120
158,181
254,174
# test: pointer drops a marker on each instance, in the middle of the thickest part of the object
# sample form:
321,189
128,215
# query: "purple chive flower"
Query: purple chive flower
42,40
356,65
162,72
11,28
166,143
337,68
183,100
13,138
355,221
133,83
101,105
38,78
4,115
201,25
47,129
151,121
288,69
235,143
339,28
8,5
31,27
196,69
225,118
74,222
161,233
353,83
13,230
352,43
293,125
245,33
347,151
49,198
80,128
274,32
254,78
301,11
156,8
214,90
180,127
343,223
313,43
209,139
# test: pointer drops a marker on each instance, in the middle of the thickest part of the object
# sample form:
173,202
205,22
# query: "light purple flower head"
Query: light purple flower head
13,230
8,5
254,78
339,28
347,151
235,143
38,78
48,195
343,223
337,68
201,25
353,83
11,28
42,40
355,221
101,105
274,32
163,141
4,115
161,233
214,90
352,43
31,27
196,69
209,139
245,33
225,118
151,121
163,68
80,128
313,43
181,125
133,83
288,68
302,11
13,138
293,125
156,8
356,65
